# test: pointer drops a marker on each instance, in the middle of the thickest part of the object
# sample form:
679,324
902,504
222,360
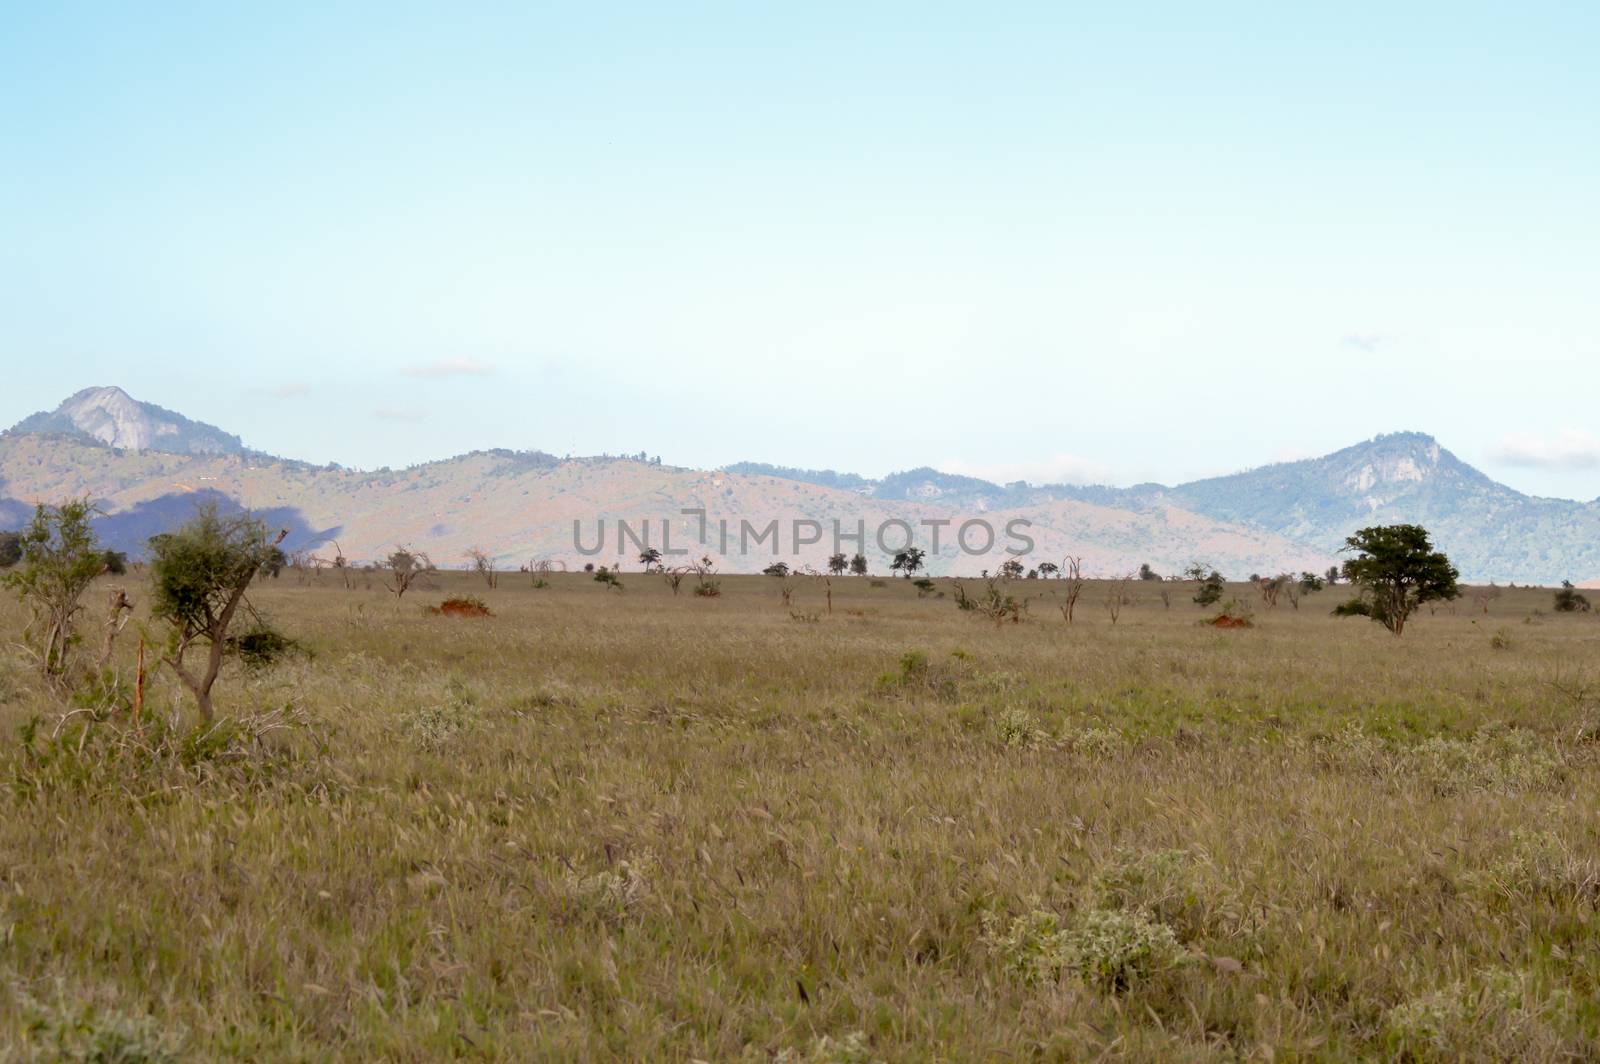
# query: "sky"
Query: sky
1054,241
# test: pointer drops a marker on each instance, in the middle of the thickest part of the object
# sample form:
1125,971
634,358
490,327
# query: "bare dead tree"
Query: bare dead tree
1072,575
1117,596
118,611
674,576
827,585
483,565
341,564
995,604
1482,596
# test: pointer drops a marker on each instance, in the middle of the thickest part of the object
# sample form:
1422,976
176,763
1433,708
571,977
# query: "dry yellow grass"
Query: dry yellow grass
633,825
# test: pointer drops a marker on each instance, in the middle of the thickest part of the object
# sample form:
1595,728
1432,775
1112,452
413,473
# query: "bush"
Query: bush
1495,1015
59,559
91,755
1104,948
263,646
1211,590
1569,601
1356,607
82,1032
10,549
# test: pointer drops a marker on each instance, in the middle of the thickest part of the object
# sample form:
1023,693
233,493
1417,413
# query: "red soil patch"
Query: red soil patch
462,607
1224,621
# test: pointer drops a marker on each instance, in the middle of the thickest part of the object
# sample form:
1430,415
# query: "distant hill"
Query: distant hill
147,467
112,417
1492,532
521,508
1489,530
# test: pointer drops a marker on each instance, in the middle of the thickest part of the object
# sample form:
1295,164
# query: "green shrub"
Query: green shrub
1567,599
1108,949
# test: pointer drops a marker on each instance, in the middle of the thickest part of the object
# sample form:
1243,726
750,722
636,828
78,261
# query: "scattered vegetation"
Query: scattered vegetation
638,827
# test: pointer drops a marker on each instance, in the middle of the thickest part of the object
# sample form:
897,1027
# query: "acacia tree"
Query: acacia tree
838,563
858,565
908,561
1398,570
403,568
199,576
58,561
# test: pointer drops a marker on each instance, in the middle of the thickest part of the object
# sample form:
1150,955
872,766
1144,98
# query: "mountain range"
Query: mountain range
147,467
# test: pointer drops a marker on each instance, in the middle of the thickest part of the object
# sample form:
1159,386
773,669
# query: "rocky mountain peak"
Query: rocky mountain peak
112,417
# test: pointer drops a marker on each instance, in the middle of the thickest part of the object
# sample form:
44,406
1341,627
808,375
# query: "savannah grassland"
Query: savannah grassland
633,825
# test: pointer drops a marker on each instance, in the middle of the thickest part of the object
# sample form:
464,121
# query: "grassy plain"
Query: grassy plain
633,825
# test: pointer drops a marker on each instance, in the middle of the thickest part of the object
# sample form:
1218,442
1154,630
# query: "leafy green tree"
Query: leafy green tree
1011,569
1398,570
908,561
650,557
1332,575
1211,589
858,565
10,549
1048,569
1311,583
776,569
199,576
1147,573
59,559
838,563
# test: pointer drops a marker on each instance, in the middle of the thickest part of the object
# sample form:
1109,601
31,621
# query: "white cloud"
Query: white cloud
1056,469
1367,342
399,414
1567,449
451,367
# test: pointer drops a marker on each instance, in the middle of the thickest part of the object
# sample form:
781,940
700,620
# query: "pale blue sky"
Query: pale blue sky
1104,241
